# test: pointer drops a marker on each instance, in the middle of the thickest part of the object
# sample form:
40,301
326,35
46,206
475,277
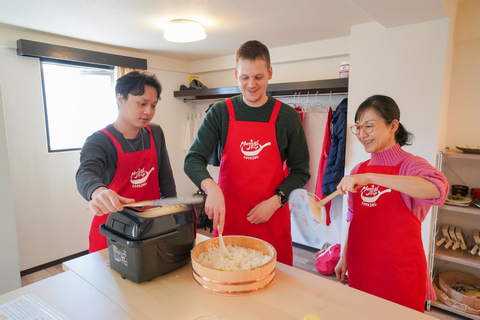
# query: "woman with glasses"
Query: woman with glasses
388,198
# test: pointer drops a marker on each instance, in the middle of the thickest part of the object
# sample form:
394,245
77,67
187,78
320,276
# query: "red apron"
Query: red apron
136,177
250,171
385,255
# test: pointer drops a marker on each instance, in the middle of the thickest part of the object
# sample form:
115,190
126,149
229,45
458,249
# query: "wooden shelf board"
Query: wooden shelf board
443,306
274,89
457,256
471,209
455,153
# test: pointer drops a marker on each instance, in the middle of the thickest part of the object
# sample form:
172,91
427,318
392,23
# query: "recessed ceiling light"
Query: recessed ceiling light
181,30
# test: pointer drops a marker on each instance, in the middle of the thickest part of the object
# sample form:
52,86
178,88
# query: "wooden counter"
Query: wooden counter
70,295
293,294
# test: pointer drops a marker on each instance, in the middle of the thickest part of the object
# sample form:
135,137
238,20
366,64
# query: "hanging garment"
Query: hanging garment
323,163
385,253
136,177
334,170
250,171
286,170
188,134
197,119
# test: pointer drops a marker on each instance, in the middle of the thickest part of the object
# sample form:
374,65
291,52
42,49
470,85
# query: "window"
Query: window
79,99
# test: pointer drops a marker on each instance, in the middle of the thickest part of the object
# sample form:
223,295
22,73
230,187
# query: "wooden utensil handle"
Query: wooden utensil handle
325,200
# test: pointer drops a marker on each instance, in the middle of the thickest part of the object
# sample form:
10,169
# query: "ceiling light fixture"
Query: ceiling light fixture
181,30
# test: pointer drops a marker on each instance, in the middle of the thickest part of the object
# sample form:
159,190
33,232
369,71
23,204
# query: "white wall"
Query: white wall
51,219
463,113
9,261
171,115
406,63
308,61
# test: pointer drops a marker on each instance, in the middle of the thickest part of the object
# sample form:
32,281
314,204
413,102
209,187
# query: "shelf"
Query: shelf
443,306
471,209
274,89
455,153
457,256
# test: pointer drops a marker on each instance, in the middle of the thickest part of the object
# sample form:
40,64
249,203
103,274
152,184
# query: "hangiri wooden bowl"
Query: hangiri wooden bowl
234,282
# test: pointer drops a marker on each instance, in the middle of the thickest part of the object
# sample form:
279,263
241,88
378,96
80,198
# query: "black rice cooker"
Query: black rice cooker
146,242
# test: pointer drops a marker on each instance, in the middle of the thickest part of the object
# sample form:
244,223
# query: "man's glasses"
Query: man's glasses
367,127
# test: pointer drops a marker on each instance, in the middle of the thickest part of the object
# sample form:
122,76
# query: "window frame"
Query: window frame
63,62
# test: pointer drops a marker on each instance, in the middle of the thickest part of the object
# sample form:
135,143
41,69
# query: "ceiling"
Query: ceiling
139,24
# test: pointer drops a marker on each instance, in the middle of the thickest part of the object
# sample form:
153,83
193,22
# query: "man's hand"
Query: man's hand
263,211
214,204
106,200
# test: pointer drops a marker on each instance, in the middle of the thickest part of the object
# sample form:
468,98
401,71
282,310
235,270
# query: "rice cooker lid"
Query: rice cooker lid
147,222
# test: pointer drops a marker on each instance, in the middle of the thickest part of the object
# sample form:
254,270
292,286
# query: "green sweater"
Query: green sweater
291,140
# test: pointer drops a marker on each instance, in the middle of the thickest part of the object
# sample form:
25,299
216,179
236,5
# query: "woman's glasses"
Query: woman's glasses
367,127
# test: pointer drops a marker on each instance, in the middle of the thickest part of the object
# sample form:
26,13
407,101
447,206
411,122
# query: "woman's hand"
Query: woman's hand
341,269
263,211
106,200
352,183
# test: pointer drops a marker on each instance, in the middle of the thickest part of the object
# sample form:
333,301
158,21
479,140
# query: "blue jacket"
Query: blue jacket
335,168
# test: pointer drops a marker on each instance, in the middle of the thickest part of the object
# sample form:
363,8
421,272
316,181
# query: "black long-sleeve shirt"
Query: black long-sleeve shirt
99,158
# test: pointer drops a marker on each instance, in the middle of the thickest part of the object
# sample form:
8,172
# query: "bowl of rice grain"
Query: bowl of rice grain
248,267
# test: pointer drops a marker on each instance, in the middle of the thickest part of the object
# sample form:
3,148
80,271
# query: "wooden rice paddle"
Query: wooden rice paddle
318,208
222,244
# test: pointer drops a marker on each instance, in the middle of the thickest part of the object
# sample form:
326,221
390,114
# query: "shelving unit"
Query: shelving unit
274,89
465,217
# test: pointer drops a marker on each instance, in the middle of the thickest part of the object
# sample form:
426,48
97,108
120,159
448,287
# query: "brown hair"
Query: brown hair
253,49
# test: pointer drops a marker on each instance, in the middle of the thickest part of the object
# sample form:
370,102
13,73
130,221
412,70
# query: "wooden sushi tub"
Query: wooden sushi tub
234,282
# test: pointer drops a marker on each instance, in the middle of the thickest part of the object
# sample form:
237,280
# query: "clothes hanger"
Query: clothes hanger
318,104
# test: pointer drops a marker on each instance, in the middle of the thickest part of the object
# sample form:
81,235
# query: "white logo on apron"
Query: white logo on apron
138,178
370,194
251,149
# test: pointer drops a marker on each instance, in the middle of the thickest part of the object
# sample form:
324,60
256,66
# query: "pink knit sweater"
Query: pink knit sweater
412,166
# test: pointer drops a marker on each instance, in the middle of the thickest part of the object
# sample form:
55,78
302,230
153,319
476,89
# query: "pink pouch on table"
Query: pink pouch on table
327,259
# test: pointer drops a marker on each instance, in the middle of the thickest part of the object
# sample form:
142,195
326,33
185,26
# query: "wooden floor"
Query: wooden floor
40,275
303,258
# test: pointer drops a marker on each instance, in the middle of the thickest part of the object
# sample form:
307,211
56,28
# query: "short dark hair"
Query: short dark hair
252,50
134,83
388,110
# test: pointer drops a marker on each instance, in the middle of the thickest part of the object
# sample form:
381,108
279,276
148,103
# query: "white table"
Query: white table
70,295
293,294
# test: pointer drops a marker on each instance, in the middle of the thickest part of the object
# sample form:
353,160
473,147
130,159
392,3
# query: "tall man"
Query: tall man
257,133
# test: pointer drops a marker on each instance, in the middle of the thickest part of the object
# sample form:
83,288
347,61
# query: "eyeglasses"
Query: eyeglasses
367,127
